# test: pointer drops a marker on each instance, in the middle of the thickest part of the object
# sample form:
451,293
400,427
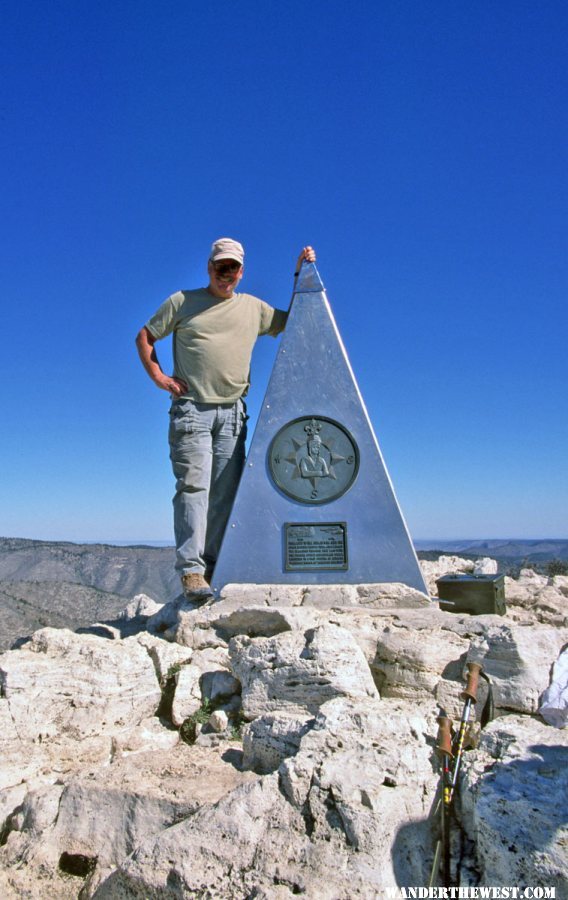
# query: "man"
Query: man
214,331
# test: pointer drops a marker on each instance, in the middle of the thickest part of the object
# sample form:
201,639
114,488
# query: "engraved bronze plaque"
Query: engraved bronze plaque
313,459
311,546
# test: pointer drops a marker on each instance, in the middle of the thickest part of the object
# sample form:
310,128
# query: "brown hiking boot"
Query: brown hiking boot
195,587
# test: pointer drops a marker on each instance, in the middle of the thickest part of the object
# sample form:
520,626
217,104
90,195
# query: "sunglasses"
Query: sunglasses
229,268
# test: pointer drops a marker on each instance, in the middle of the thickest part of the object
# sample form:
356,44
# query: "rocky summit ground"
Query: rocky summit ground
281,742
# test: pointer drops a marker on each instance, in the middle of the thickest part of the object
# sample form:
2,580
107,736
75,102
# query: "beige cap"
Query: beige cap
227,248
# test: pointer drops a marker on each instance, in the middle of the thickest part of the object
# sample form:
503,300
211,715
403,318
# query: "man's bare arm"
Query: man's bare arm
308,254
145,341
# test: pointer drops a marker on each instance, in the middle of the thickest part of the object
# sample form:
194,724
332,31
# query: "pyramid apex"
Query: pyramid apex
308,280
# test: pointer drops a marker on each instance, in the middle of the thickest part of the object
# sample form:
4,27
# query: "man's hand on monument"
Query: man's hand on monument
308,254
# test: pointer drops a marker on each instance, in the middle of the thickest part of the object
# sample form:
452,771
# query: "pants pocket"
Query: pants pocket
182,420
241,419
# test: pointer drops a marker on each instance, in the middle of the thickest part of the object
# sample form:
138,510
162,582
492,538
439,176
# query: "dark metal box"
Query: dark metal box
474,594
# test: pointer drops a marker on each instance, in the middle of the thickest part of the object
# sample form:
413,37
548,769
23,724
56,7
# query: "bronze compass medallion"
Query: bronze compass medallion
313,459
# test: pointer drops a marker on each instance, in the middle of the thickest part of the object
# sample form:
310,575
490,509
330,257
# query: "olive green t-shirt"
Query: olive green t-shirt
213,340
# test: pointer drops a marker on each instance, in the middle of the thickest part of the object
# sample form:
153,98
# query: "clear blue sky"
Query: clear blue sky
421,147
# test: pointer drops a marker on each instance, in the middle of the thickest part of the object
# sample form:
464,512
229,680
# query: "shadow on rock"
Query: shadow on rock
234,757
508,827
516,812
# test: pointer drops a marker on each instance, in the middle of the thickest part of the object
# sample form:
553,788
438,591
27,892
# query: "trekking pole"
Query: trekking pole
444,748
469,695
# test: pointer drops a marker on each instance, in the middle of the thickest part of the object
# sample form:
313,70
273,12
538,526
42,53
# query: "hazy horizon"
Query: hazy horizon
170,542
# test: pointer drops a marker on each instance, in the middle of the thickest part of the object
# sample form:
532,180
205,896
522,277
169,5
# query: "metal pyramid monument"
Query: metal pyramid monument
315,504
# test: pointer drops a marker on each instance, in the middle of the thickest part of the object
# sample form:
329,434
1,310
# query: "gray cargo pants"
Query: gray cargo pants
207,450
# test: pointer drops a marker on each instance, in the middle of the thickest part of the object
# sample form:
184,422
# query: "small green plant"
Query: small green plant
556,567
236,726
188,729
173,670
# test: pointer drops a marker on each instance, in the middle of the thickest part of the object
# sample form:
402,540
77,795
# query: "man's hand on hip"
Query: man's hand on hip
145,341
175,386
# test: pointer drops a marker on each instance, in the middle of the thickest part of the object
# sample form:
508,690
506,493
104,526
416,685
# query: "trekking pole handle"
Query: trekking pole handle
444,744
470,692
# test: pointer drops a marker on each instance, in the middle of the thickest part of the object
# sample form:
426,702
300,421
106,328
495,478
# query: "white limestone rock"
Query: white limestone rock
514,794
140,797
423,653
167,617
518,660
62,682
219,686
399,733
262,621
18,760
524,590
414,654
219,849
326,596
149,735
542,598
380,596
554,704
391,596
352,819
550,608
271,738
36,814
105,814
444,565
211,659
530,576
17,883
10,799
64,696
218,721
213,625
187,696
297,670
345,815
262,594
323,596
269,609
195,628
42,761
560,583
216,681
485,566
140,606
164,655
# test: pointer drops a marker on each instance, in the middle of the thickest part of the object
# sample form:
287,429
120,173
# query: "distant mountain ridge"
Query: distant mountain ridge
120,570
509,549
26,606
68,585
